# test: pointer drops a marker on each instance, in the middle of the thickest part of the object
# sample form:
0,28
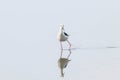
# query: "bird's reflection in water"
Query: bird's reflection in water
62,63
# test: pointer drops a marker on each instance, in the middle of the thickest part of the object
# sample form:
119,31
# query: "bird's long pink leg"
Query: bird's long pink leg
69,49
69,44
61,49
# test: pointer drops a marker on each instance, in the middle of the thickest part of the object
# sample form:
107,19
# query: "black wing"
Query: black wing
66,34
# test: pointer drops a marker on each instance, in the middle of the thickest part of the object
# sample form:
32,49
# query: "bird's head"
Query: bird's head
61,26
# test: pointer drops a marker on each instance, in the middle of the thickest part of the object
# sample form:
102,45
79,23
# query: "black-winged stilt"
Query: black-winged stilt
63,36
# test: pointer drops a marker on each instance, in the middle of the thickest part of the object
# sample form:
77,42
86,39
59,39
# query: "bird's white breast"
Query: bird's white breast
62,37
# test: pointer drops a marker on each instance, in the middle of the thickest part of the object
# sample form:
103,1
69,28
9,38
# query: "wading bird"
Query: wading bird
63,36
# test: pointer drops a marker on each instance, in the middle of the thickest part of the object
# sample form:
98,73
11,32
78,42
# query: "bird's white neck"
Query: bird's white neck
61,31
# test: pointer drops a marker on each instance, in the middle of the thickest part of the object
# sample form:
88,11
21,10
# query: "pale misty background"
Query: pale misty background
29,49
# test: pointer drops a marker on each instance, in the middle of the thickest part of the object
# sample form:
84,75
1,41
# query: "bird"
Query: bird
63,36
62,63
